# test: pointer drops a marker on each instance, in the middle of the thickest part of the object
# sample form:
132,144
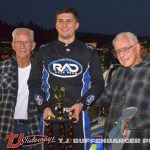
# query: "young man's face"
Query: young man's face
66,25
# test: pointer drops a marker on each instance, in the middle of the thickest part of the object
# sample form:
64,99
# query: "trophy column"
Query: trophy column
62,121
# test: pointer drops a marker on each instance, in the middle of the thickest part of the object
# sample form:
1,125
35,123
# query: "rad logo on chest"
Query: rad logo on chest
65,68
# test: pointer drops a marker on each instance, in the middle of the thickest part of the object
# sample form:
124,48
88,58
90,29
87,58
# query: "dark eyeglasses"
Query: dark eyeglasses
124,50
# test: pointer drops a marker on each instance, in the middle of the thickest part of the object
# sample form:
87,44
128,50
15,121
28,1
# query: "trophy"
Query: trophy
63,120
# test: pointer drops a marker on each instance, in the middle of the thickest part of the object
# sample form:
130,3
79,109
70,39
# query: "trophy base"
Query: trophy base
57,121
60,129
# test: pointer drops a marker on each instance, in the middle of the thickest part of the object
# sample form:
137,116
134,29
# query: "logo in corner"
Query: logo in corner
65,68
90,99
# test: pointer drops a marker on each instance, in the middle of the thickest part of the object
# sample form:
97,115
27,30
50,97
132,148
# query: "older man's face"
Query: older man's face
23,45
128,53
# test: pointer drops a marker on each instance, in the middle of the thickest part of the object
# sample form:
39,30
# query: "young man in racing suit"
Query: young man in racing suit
68,63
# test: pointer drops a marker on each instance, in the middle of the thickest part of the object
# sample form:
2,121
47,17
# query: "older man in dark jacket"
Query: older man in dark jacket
130,87
17,114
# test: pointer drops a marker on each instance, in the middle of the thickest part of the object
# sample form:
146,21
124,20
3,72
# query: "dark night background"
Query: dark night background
97,16
100,20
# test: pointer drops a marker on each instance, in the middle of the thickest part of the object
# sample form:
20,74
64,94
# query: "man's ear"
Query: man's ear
12,45
138,47
77,25
33,45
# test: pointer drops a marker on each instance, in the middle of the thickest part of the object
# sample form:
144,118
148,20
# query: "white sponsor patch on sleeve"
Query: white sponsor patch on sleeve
38,99
90,99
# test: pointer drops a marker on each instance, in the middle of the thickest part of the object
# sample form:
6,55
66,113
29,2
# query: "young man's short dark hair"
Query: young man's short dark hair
68,10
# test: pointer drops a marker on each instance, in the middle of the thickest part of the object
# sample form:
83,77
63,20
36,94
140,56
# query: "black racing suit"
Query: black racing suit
75,67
